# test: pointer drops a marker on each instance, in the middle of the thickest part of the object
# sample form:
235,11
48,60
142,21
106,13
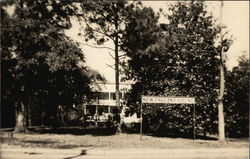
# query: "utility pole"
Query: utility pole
221,125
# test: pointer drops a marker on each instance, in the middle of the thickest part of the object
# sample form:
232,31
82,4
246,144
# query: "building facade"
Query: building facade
103,102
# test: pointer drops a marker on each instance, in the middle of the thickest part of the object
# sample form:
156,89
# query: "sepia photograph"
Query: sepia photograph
124,79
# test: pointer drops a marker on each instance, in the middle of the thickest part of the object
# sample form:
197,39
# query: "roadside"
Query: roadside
68,146
132,153
125,140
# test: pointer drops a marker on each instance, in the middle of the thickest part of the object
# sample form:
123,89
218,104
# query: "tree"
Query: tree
39,59
237,99
105,21
221,122
224,46
180,61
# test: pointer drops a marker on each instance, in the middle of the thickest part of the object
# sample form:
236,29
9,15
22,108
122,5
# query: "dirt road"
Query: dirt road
100,153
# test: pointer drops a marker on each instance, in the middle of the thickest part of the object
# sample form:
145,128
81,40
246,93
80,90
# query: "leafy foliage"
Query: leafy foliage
177,58
38,60
104,19
237,99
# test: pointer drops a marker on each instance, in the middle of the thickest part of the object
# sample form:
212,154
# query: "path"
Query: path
98,153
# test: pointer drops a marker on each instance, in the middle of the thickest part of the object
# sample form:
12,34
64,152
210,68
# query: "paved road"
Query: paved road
98,153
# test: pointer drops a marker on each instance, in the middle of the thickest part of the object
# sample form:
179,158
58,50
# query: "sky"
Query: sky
235,16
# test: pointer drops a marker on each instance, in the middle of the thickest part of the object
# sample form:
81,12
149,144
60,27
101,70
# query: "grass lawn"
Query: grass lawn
78,138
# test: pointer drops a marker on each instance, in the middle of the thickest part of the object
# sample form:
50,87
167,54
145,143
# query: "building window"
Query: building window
91,109
102,109
113,96
101,95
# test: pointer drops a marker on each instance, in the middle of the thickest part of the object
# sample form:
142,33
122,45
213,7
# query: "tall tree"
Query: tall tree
39,58
180,61
105,20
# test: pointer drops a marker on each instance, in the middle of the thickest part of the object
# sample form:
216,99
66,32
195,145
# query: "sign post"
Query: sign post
194,121
167,100
141,124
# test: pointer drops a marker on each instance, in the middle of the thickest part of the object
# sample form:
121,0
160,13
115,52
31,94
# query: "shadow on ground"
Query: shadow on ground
76,130
42,142
168,134
185,136
80,130
83,152
45,143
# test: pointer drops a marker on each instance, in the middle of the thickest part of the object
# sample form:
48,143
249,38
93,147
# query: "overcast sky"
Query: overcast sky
235,17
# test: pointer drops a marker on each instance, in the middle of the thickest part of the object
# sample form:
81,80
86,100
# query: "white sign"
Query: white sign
168,100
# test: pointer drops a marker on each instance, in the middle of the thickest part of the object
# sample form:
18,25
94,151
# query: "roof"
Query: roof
110,87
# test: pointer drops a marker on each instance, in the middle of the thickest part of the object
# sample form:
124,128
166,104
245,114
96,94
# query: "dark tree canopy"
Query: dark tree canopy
237,99
38,59
104,20
177,58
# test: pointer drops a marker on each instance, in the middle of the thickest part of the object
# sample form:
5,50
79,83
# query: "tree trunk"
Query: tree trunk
221,125
204,132
43,115
117,91
221,121
61,114
29,116
21,126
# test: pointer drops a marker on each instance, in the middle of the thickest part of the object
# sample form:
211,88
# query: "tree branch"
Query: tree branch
111,55
123,66
122,55
111,66
95,30
98,47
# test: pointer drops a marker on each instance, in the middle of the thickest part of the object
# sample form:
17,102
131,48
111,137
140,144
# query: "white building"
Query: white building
104,99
